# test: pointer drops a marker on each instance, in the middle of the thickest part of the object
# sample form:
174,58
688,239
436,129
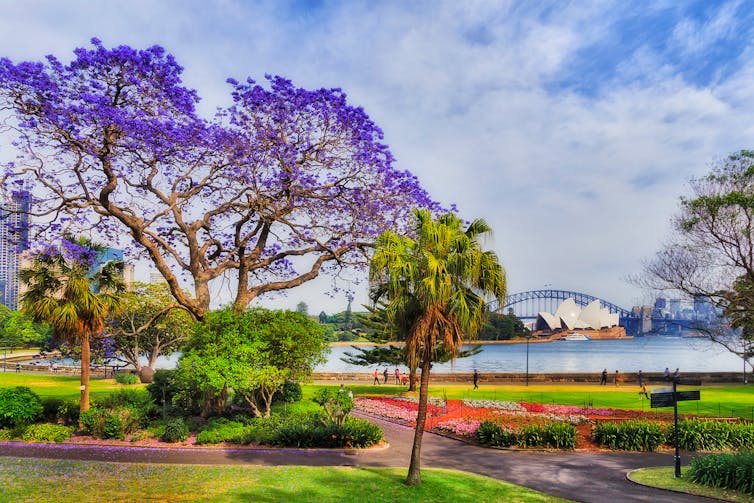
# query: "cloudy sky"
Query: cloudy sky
572,127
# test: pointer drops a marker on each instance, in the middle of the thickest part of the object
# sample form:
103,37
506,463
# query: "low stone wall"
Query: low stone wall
652,379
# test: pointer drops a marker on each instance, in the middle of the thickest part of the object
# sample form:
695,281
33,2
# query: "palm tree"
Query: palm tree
64,290
438,278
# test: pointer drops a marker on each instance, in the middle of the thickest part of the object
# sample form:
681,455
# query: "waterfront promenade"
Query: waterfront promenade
627,379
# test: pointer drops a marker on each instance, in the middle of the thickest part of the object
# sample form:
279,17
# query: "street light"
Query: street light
528,337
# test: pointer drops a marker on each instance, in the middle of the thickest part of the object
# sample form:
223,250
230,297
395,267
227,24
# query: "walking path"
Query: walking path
587,477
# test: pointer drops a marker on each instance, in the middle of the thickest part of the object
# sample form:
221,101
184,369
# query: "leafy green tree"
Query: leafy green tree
150,324
253,354
501,327
436,278
710,254
62,290
18,330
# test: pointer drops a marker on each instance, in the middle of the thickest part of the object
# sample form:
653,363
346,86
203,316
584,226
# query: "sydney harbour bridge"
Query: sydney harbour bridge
526,305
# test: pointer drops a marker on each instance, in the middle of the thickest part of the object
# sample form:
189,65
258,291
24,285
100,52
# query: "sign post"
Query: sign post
665,397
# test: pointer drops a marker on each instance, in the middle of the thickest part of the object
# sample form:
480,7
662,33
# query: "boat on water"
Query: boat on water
577,337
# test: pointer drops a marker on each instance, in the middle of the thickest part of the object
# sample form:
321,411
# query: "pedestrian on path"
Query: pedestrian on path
676,375
476,379
666,374
616,378
397,376
603,380
376,377
385,373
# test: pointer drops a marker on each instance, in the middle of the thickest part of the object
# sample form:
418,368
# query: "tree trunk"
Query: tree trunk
414,477
412,379
85,360
214,403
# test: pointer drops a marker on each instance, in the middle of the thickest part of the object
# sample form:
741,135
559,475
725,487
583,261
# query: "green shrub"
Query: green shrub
359,433
175,431
50,407
19,406
46,433
176,392
353,432
291,393
55,410
6,435
560,435
532,435
730,471
141,404
110,423
126,378
712,435
491,433
633,435
336,404
221,430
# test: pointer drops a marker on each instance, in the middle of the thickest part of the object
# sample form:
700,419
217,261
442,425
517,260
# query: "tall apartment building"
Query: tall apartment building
14,240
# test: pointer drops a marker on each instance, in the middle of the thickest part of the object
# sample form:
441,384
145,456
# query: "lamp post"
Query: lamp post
527,361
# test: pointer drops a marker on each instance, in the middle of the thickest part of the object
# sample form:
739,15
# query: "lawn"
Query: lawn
42,480
664,479
64,387
716,400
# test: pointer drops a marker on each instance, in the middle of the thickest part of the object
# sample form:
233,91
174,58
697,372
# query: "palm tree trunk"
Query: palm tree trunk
85,360
414,468
412,379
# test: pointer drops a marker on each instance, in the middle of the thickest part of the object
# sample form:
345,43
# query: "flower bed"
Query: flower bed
462,418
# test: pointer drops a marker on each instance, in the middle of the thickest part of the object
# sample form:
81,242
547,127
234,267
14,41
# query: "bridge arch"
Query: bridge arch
528,304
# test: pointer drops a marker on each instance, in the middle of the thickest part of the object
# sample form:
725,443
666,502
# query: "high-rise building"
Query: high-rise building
114,254
14,240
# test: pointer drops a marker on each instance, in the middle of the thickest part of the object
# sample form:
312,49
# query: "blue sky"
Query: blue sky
572,127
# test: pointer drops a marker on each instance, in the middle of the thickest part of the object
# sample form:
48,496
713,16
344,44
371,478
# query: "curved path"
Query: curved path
587,477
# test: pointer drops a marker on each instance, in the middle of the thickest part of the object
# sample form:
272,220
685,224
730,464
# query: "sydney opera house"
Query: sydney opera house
593,320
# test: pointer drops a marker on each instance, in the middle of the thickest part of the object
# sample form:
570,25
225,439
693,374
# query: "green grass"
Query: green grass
716,400
60,386
42,480
663,478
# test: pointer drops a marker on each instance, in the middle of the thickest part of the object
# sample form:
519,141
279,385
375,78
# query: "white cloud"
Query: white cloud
578,186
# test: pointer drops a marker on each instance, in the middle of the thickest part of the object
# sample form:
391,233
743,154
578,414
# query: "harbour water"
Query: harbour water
650,354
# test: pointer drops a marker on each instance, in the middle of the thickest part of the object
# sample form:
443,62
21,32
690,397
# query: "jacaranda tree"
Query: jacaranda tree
66,288
275,189
438,277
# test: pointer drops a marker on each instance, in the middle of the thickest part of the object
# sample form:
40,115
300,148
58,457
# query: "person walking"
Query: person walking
643,392
641,379
376,377
385,373
476,379
676,375
397,376
616,378
666,374
603,380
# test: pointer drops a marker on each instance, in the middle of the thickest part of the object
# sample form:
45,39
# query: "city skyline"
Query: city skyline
572,130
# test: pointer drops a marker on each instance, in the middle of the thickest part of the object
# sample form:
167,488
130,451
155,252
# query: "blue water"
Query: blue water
650,354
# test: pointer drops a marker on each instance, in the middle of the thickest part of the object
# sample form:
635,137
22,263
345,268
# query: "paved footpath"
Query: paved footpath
587,477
